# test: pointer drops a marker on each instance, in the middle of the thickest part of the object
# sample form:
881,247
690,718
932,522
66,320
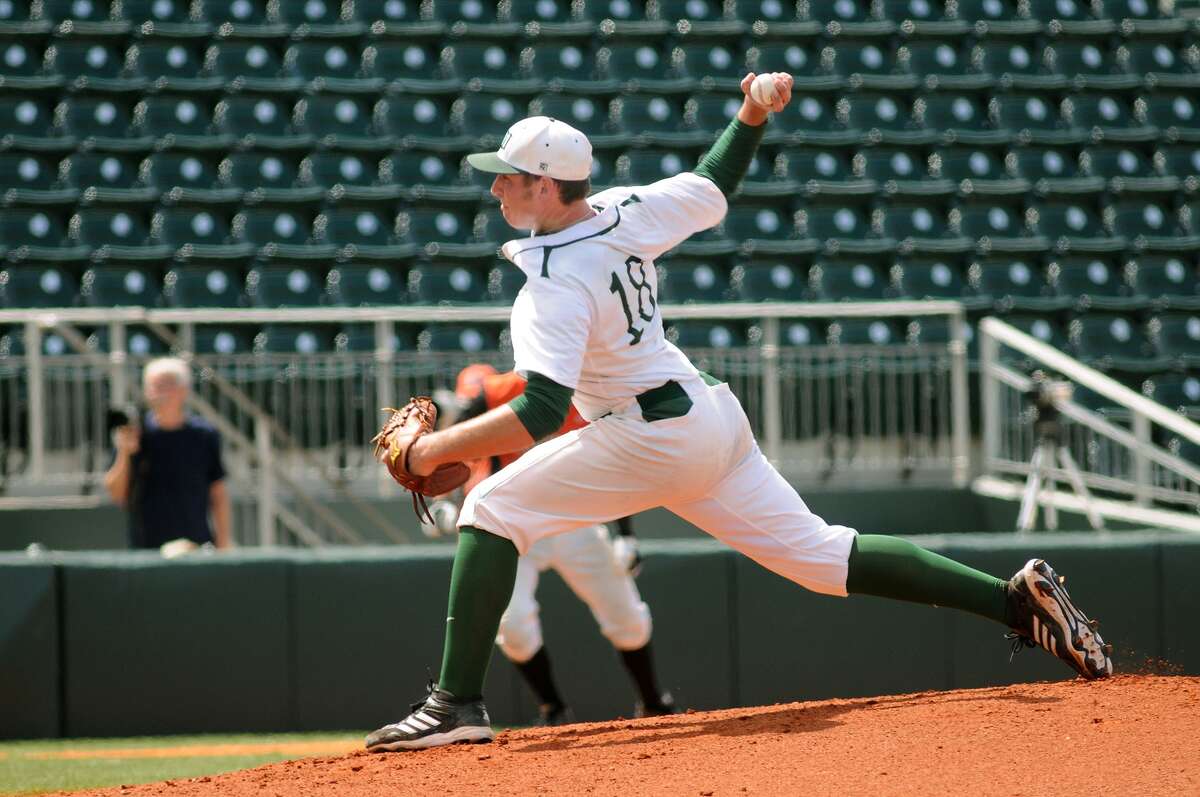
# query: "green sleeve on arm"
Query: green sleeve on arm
543,406
730,157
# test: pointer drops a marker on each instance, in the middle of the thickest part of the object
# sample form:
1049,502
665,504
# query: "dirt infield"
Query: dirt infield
1128,735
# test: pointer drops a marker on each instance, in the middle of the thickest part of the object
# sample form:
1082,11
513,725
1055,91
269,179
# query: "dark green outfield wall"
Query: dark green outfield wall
118,644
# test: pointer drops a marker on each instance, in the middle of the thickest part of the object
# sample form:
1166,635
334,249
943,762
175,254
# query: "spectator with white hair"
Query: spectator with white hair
167,470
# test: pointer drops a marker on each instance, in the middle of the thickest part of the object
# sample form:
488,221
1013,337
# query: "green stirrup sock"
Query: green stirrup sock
481,584
890,567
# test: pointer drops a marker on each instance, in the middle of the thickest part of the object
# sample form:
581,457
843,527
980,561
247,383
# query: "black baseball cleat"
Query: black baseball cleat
551,714
1048,618
442,719
664,706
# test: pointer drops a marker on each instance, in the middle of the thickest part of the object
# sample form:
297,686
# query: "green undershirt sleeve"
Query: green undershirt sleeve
543,406
730,157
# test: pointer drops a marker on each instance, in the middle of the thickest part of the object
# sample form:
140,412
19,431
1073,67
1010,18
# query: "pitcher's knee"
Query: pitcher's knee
520,635
629,631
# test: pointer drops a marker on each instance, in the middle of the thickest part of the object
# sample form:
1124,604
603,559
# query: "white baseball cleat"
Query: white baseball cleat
1050,619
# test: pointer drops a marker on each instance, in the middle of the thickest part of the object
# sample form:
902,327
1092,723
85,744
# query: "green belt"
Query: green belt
669,400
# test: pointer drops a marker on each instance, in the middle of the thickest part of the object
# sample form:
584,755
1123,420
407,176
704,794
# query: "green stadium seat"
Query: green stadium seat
504,282
682,281
1126,168
363,233
1033,117
250,66
844,227
485,117
766,281
1175,114
281,233
269,175
243,19
28,174
843,12
768,11
544,12
1149,226
847,281
654,119
446,285
1074,224
172,65
1091,282
91,65
1177,337
491,66
960,118
139,342
418,121
1044,327
118,234
179,122
979,167
1182,161
408,66
567,66
943,64
395,16
1109,341
186,176
340,122
413,167
1139,10
93,17
711,113
588,114
885,117
366,286
764,228
617,10
998,225
1091,65
259,122
37,236
1012,283
809,64
645,67
28,287
1162,62
119,287
329,65
22,68
921,226
720,64
1109,117
319,18
1169,281
361,338
196,234
328,169
202,287
1017,63
1054,168
902,170
990,11
457,337
706,335
170,17
490,227
106,176
925,16
1071,14
929,278
439,225
293,339
284,286
869,64
863,332
812,119
232,340
604,169
645,166
101,123
1176,391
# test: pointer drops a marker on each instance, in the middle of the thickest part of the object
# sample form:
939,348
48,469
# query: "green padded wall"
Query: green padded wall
195,645
1181,602
29,662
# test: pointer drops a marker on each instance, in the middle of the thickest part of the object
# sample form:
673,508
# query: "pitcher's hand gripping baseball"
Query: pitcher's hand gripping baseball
392,446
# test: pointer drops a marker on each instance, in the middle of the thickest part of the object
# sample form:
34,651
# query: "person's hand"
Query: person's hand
128,440
783,83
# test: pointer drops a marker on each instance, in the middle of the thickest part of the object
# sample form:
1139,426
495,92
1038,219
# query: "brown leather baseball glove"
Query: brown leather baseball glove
393,443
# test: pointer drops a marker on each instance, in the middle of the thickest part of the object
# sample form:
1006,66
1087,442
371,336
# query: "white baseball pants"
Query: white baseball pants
586,561
705,467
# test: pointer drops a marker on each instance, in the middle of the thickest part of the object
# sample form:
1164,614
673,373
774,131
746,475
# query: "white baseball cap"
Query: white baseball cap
541,146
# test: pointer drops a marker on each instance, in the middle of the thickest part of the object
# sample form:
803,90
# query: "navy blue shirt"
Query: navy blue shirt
170,480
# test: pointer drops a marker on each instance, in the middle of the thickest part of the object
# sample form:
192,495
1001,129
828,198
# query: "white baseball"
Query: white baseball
762,90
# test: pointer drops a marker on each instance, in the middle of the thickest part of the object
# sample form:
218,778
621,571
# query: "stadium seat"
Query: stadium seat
1090,282
27,287
885,117
645,67
457,337
692,335
869,64
116,235
810,66
921,226
319,18
766,281
717,64
1181,161
250,66
294,339
418,121
232,340
644,166
102,123
172,66
944,64
848,281
1127,168
1177,337
284,286
29,177
1013,283
491,66
812,118
202,287
169,18
269,175
591,115
567,66
1017,63
821,164
983,169
1046,328
1034,118
259,122
407,65
490,227
87,11
959,117
243,19
22,67
711,113
340,122
1109,117
329,65
863,332
325,170
1075,225
187,177
446,285
1176,114
26,121
93,65
1149,225
485,117
688,282
900,170
366,286
196,234
1089,64
363,233
37,236
1053,168
764,228
139,342
446,231
282,233
844,227
1161,62
929,278
1109,341
1176,391
1168,281
109,177
654,119
429,175
119,287
998,225
361,338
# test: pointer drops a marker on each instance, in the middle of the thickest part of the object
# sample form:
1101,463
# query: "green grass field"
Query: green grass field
36,767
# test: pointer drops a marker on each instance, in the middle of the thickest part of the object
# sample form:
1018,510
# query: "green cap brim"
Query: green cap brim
490,162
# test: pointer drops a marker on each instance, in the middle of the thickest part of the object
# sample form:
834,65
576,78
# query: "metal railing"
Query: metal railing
1131,456
299,425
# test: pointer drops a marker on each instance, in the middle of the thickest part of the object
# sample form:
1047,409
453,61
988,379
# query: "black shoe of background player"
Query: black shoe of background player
664,706
550,714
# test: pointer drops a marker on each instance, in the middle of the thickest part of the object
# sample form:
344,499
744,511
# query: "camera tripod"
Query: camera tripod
1049,448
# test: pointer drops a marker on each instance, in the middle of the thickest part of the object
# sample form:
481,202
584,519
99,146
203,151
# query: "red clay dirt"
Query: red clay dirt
1129,735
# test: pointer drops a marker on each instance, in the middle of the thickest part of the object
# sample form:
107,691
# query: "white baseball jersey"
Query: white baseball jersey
588,315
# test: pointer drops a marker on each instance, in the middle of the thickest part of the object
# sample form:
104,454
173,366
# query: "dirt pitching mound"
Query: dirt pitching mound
1127,735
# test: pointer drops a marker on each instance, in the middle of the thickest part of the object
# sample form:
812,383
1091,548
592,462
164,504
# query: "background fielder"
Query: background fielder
586,327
